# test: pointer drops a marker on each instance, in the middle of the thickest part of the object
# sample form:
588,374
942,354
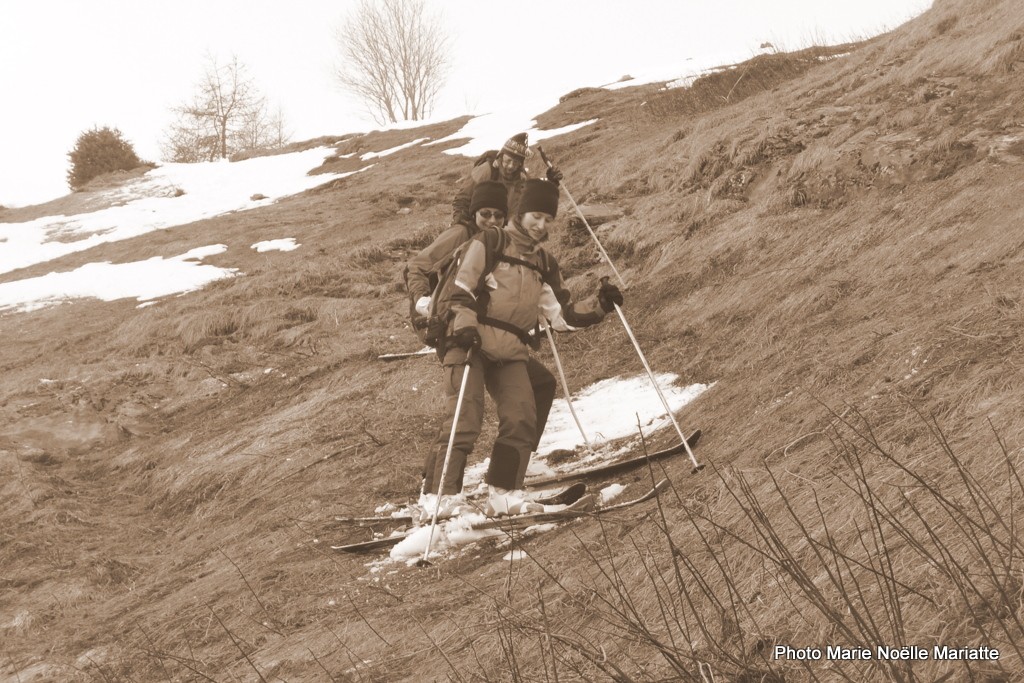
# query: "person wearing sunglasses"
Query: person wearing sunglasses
506,284
506,166
490,210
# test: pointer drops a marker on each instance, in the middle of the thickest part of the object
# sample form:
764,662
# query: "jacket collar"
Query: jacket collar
521,238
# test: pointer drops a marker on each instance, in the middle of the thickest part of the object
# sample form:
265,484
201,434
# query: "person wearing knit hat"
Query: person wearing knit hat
489,208
506,284
506,166
489,205
517,146
489,195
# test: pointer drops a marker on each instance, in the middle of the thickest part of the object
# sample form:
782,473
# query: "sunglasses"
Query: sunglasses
489,214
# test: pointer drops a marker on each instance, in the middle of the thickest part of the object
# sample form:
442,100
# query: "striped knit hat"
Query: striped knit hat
517,146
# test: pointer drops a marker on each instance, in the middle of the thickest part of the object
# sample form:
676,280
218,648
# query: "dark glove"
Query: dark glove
608,296
554,175
467,338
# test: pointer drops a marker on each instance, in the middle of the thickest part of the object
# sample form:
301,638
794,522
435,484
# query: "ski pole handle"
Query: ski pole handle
543,156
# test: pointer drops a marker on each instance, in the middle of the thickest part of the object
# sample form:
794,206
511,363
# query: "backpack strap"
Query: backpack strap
520,262
495,241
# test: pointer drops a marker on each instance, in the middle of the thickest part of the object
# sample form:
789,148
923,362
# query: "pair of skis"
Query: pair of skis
585,505
564,497
575,497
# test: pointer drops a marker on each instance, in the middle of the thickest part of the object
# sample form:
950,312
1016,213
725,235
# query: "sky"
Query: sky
67,66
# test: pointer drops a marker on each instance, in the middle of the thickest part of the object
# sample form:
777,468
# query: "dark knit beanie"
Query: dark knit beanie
539,195
517,146
489,194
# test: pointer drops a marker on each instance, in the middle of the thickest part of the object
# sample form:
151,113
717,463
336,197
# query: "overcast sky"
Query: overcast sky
68,65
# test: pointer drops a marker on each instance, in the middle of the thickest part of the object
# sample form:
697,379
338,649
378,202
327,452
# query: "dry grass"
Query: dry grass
840,256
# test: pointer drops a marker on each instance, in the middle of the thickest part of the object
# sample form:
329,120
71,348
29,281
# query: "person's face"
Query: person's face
489,218
509,166
536,224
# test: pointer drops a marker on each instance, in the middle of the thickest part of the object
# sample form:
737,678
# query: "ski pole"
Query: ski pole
585,222
565,388
622,317
696,466
447,456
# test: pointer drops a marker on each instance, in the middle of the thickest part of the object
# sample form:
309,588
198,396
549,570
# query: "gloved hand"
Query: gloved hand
608,296
467,338
423,306
554,175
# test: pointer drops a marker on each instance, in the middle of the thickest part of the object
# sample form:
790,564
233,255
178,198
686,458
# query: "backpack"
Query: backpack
440,313
488,157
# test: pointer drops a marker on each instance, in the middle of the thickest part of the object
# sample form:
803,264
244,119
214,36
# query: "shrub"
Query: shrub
99,151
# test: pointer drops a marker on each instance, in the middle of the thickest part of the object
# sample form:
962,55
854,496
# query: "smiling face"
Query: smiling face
490,218
509,166
535,224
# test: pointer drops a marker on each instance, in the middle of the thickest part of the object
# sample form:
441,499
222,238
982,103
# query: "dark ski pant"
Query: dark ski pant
522,391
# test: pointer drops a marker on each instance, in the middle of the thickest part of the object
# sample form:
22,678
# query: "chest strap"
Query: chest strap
520,262
532,341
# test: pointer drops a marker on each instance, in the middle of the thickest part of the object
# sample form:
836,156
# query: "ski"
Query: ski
425,351
582,507
584,503
566,496
523,521
614,467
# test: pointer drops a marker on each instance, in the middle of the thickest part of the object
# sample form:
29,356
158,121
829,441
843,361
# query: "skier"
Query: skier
506,166
489,206
491,311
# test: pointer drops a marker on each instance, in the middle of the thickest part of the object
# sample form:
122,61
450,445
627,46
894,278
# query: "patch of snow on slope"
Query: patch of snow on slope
143,280
284,244
611,492
453,533
686,71
154,203
386,152
608,411
490,131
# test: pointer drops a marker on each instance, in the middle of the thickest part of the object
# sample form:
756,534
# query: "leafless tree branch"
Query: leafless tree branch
395,58
227,114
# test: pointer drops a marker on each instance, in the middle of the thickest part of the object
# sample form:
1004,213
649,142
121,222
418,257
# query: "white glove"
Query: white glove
423,306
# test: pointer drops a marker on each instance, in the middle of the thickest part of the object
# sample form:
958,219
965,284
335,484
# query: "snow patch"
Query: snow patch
153,202
681,75
144,280
386,152
284,244
489,131
514,555
454,532
610,493
608,411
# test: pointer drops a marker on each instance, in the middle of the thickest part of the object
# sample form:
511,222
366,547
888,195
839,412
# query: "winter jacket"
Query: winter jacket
485,171
518,295
420,266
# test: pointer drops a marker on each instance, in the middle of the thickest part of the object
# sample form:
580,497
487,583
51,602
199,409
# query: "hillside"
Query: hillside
827,236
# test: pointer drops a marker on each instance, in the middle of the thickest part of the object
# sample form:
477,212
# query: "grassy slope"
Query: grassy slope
838,253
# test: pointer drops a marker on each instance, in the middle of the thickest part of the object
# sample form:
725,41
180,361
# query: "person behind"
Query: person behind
508,167
524,281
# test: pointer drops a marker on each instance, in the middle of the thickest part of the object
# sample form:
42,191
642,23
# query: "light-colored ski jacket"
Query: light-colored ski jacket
517,295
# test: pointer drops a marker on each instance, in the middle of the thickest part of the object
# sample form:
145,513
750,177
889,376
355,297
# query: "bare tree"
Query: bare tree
395,58
227,114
